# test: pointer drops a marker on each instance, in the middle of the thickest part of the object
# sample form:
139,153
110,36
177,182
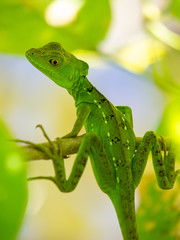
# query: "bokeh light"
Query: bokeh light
62,12
14,162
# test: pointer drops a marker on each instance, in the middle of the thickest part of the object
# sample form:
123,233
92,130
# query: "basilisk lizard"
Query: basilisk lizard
109,140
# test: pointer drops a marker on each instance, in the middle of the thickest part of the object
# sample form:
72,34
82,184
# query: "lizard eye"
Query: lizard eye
54,62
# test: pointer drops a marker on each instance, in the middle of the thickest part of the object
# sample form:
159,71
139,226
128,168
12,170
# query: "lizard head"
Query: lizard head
60,66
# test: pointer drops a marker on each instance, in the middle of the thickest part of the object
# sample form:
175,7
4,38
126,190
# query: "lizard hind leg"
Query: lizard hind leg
52,147
40,147
163,166
43,178
104,175
54,153
169,162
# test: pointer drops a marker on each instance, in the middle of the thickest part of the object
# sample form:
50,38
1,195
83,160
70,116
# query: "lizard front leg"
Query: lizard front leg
127,113
164,167
82,113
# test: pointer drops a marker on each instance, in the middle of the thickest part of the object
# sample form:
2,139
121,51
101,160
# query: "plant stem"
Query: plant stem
69,146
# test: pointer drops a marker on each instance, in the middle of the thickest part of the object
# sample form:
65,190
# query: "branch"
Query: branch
69,146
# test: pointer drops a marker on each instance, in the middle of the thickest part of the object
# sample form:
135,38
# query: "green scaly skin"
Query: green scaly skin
109,140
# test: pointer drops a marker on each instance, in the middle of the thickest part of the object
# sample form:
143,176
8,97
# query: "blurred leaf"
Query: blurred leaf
160,22
13,187
166,73
23,25
170,124
175,8
138,56
158,215
163,34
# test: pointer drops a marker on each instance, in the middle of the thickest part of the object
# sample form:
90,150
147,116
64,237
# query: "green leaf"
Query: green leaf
23,26
170,125
165,73
175,8
13,187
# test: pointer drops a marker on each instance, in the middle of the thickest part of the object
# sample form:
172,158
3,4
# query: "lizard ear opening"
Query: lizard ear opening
83,68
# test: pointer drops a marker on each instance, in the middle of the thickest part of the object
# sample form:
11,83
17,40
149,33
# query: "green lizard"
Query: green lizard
109,140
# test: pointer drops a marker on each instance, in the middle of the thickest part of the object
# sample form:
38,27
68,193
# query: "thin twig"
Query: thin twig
69,146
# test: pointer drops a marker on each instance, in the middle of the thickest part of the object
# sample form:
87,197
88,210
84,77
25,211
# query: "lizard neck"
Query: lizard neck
85,92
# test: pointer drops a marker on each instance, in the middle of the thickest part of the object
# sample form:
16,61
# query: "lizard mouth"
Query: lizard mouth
30,52
32,55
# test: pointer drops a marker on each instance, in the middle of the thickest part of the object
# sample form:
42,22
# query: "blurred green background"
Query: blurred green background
133,49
